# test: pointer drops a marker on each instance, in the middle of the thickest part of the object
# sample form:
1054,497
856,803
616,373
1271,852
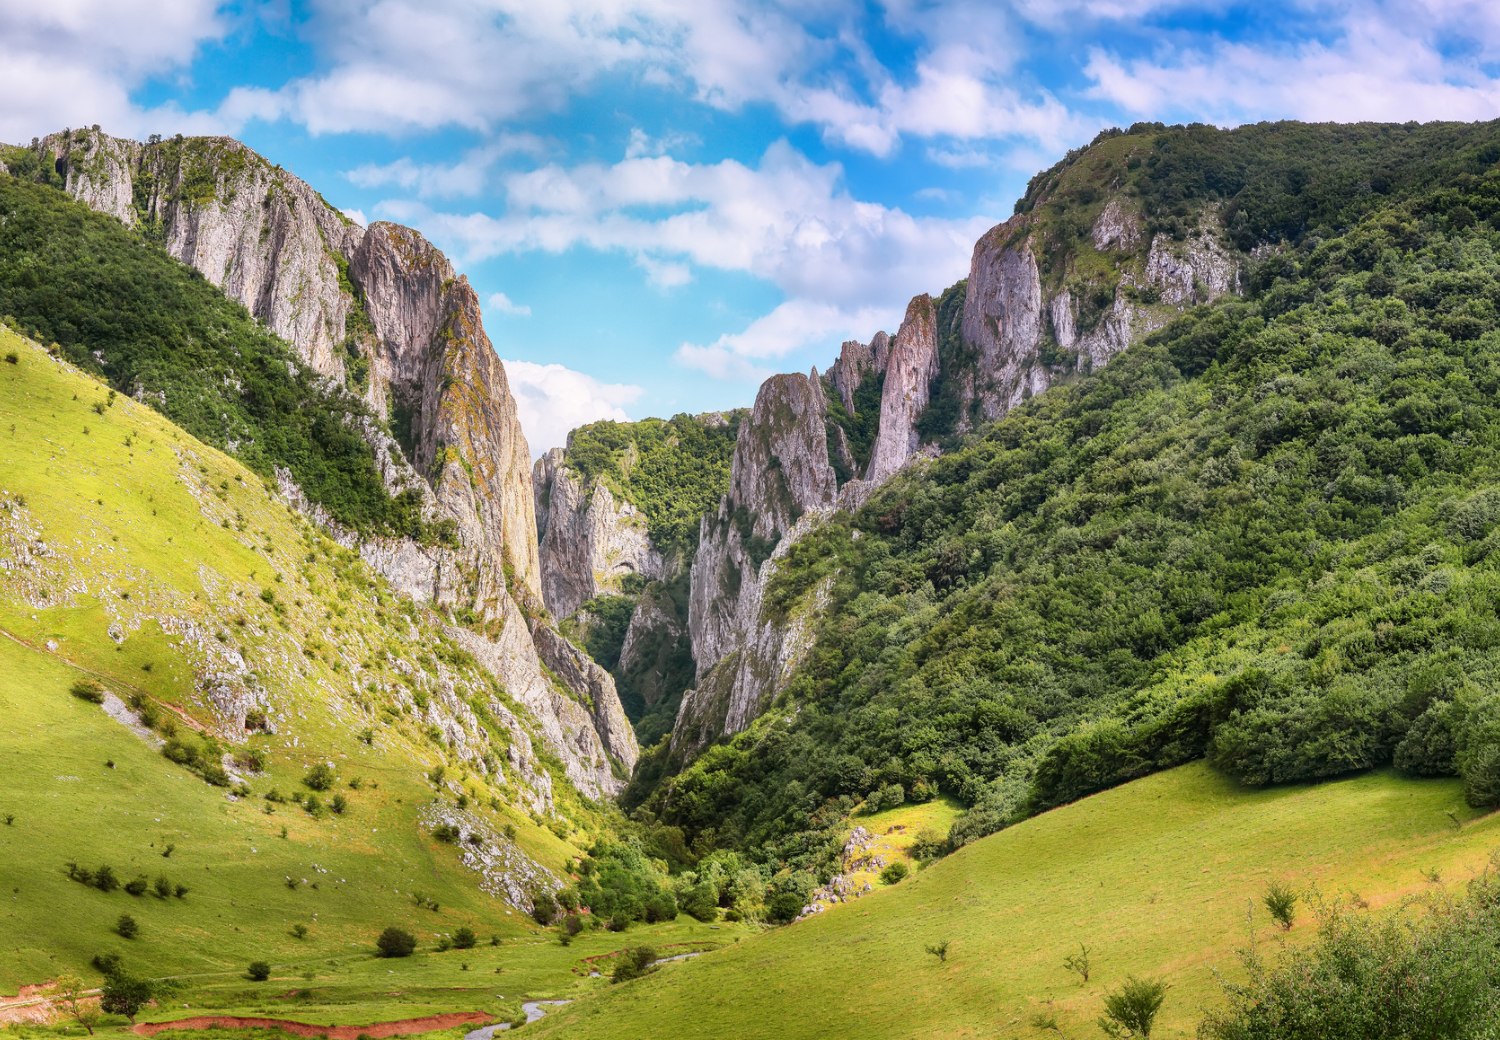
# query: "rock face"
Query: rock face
781,481
383,311
590,541
1018,330
909,371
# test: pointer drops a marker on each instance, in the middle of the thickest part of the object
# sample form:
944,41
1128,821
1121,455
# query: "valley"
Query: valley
1138,584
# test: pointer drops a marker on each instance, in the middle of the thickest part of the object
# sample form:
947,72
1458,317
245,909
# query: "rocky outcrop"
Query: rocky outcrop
780,472
1019,330
909,371
781,481
590,541
382,310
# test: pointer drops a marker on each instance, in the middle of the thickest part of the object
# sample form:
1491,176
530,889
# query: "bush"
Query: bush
137,886
939,950
88,690
259,971
339,804
1282,903
464,938
894,873
1131,1010
12,358
126,927
1433,971
633,963
394,942
104,879
123,994
446,833
544,908
163,888
319,777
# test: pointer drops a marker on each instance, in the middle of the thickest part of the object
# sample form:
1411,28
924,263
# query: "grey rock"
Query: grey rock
590,541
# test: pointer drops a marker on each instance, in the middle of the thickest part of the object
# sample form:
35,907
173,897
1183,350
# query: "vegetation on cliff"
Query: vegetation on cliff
672,470
119,306
1264,536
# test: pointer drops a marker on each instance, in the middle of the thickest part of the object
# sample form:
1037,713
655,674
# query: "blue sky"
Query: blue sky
660,202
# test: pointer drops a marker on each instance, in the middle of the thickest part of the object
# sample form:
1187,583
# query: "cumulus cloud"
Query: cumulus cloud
409,65
1388,62
466,178
552,400
844,266
76,63
503,304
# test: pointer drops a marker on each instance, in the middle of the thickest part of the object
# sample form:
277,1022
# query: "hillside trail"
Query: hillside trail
33,1006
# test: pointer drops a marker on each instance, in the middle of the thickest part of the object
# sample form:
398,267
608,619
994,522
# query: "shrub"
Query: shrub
939,950
126,927
138,885
12,358
894,873
319,777
1131,1010
464,938
633,963
104,879
88,690
259,971
124,994
299,931
339,804
543,908
447,833
1282,903
394,942
1078,964
1428,972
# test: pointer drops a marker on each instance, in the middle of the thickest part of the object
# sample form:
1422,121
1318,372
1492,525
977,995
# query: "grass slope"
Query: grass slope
114,519
1155,876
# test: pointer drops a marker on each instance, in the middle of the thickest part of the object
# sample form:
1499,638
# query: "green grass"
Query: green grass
145,528
1155,876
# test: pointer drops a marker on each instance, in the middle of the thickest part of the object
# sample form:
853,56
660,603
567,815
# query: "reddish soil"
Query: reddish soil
403,1027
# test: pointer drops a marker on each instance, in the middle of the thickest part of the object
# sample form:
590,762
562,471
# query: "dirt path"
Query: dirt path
402,1027
35,1005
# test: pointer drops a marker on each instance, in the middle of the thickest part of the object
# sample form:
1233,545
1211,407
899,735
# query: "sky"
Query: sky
660,202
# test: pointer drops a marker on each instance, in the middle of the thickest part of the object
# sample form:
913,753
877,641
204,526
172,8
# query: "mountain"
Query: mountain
382,312
180,656
1167,556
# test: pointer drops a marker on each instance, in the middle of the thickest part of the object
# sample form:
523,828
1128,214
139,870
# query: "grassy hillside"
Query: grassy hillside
1155,877
117,305
137,557
1265,536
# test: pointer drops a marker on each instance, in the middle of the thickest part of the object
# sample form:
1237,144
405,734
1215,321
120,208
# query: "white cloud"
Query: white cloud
392,66
466,178
503,304
844,266
552,400
1383,62
75,63
356,215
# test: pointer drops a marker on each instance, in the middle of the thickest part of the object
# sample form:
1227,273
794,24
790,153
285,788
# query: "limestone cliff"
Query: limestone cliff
383,312
1036,308
590,541
781,481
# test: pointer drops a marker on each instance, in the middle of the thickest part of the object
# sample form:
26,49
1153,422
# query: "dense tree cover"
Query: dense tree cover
120,307
672,470
1432,971
1266,536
